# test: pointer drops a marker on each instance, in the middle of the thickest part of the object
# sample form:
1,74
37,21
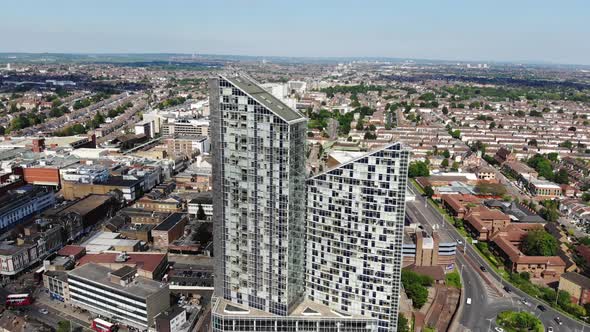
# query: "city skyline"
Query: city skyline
308,30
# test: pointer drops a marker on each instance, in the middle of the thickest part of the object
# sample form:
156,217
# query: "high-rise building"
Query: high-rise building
259,185
355,220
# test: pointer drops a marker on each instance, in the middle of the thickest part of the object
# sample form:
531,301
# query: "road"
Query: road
52,317
485,288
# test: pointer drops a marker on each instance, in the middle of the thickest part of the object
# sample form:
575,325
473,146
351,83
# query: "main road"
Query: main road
485,289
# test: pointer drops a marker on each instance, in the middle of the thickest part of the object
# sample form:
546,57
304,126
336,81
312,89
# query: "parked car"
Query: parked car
483,268
44,311
507,289
558,321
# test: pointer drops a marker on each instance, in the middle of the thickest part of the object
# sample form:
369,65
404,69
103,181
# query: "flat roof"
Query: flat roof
95,273
143,261
87,204
251,87
170,222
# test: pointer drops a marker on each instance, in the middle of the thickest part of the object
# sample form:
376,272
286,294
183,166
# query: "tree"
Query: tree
566,144
444,163
539,243
403,325
201,213
562,177
428,191
417,169
455,166
446,153
553,156
445,110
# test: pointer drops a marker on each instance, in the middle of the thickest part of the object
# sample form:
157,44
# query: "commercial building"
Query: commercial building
171,320
258,146
187,146
169,230
355,216
56,282
186,127
203,200
119,294
423,249
151,265
130,186
19,204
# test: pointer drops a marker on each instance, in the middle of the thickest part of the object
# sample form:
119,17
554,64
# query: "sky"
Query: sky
462,30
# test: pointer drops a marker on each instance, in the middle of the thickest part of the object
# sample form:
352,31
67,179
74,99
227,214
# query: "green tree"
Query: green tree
446,153
201,213
566,144
539,243
418,294
445,110
444,163
562,177
417,169
403,325
428,191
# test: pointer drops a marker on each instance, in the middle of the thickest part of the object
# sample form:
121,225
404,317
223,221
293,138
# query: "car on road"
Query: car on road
524,301
507,289
541,307
459,242
44,311
468,300
558,321
498,329
550,329
483,268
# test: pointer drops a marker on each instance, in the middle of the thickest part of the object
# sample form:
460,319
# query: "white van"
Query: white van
468,300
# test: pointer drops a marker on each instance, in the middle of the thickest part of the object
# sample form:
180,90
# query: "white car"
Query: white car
468,300
550,329
498,329
43,311
459,242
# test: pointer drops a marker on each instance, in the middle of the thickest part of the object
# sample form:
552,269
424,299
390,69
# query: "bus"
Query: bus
101,325
18,300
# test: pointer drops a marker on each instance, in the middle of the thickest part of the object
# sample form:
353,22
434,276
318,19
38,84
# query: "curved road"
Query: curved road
487,299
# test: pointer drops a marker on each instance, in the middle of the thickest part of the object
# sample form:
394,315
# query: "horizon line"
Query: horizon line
513,62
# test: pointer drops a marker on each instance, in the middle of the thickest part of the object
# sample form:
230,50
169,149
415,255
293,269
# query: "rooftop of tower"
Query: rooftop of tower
252,88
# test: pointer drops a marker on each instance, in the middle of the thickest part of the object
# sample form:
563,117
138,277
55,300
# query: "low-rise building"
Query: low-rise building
422,249
56,283
483,222
18,205
577,285
119,294
506,243
172,320
170,229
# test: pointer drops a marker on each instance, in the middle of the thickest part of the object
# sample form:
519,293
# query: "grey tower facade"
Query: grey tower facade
355,219
258,145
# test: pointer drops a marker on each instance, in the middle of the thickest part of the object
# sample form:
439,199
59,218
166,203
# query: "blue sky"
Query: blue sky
481,30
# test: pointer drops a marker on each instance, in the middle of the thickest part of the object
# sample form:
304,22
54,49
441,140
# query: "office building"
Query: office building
355,220
259,180
119,294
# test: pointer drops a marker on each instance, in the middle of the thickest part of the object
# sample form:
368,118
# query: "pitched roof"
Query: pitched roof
577,279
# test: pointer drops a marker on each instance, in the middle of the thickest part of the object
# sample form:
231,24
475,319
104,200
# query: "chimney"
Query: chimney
38,144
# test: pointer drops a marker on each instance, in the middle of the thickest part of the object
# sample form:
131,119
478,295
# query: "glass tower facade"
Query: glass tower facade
258,148
355,219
